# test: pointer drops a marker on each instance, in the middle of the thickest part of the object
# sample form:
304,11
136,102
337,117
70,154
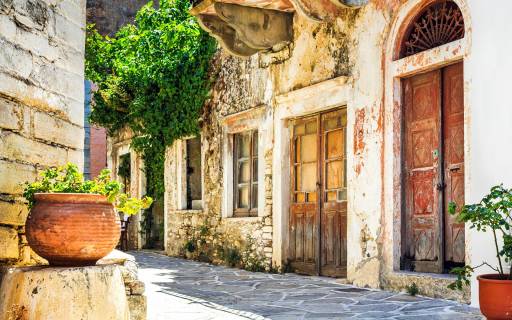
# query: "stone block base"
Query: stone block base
92,293
138,306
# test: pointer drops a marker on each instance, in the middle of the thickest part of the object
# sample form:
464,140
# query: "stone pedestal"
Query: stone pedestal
87,293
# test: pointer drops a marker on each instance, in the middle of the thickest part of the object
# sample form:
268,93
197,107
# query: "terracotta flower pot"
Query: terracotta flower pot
495,297
72,229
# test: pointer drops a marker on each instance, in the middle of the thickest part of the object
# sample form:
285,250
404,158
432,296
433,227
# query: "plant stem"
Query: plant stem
498,253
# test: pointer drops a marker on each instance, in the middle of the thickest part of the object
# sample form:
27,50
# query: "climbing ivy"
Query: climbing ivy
152,77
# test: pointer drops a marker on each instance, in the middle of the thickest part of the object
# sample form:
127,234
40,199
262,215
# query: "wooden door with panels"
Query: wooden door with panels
318,210
433,170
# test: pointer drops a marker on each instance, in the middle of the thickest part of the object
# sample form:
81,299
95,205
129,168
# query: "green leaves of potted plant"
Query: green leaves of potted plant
493,213
72,222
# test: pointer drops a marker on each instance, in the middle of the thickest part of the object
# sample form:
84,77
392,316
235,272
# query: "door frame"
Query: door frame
330,94
441,181
321,187
394,70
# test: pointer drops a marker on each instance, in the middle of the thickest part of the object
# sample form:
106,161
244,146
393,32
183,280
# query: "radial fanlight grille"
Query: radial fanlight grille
438,24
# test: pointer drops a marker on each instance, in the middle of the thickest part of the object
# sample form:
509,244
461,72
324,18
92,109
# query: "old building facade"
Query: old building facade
334,145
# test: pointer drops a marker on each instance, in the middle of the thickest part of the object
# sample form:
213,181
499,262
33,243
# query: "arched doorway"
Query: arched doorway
427,75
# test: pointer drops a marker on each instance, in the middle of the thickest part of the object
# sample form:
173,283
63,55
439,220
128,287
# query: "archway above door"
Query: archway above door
439,23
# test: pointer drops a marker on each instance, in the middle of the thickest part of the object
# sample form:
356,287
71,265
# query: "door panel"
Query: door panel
453,133
422,108
304,208
334,202
318,220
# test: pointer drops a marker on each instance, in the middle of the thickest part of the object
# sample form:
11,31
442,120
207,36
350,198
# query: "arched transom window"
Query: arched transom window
440,23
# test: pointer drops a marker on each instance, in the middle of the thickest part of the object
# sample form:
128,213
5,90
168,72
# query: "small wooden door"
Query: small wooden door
317,238
433,169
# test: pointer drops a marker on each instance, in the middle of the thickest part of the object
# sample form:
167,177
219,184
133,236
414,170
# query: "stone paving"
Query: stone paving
182,289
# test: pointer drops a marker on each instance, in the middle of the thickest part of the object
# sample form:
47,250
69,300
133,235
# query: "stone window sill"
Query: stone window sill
187,211
243,219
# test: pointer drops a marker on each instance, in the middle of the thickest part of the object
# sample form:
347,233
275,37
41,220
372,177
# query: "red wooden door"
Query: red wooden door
433,169
318,220
453,137
422,110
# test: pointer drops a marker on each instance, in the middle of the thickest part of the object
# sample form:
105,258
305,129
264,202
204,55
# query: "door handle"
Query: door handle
440,186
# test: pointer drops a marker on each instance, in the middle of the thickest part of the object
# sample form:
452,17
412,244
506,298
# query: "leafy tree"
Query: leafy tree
152,77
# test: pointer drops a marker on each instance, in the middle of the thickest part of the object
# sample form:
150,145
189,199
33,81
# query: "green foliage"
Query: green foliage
67,179
190,246
153,78
412,289
494,213
232,256
252,260
463,275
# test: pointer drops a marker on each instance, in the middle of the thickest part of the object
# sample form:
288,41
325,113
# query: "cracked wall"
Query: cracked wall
41,104
320,51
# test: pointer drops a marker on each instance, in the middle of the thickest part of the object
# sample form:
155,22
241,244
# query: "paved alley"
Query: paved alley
189,290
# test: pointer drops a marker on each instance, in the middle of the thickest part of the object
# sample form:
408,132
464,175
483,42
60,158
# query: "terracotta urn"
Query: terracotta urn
495,297
71,229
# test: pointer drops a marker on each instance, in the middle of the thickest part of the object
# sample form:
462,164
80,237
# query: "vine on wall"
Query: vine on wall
152,77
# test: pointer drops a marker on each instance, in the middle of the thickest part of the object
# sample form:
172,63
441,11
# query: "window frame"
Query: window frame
185,165
251,210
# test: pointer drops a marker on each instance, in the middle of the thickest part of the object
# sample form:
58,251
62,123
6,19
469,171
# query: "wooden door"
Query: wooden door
453,137
422,146
305,207
318,221
334,195
433,169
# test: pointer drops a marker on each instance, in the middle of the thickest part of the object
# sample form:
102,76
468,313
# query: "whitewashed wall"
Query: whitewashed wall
490,120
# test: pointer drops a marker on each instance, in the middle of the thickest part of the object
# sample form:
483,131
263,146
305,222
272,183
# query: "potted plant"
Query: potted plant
73,222
493,213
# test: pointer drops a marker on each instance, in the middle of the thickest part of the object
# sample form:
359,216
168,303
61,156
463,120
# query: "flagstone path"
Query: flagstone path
189,290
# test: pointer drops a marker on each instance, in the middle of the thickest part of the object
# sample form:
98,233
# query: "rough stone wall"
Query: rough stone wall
41,104
110,15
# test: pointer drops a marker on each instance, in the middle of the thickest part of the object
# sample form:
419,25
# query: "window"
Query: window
245,174
193,174
124,171
440,23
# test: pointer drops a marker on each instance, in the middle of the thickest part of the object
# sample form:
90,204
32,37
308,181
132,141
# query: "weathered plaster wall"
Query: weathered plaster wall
321,51
41,104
